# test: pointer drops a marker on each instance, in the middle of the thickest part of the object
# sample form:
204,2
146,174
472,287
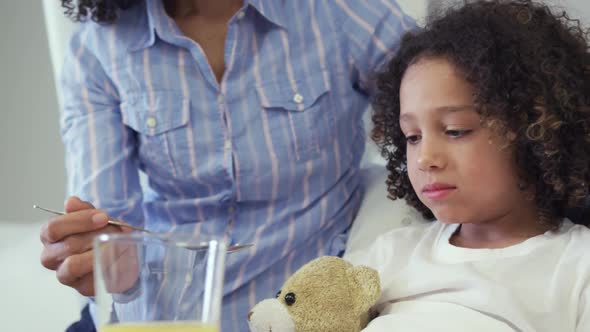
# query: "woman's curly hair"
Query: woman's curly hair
101,11
530,69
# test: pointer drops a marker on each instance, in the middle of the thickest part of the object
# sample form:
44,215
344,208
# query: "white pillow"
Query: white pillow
378,214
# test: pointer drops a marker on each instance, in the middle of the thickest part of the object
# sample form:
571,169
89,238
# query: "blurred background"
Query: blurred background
33,35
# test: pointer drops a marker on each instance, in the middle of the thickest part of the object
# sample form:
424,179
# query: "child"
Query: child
484,117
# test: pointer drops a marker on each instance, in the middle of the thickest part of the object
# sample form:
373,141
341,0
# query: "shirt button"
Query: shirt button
231,209
220,99
240,15
297,98
227,145
151,122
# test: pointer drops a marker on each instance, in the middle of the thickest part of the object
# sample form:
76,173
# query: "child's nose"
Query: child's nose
430,157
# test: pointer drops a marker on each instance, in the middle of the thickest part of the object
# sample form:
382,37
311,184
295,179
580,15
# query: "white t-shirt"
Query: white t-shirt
541,284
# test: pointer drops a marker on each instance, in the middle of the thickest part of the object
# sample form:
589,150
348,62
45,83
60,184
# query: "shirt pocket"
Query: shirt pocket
159,119
299,113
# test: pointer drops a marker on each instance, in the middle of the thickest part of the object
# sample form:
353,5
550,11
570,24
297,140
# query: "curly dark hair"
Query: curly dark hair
530,68
100,11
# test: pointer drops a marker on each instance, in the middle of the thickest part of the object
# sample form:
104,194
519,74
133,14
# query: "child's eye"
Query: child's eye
412,139
456,133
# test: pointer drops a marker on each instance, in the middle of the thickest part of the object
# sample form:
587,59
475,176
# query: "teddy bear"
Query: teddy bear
327,294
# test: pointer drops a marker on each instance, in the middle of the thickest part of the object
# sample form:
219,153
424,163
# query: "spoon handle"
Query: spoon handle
119,223
111,222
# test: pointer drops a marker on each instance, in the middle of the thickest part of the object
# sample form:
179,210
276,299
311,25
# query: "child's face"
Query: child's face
459,169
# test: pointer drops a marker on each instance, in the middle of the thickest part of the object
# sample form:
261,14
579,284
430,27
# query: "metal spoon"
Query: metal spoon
119,223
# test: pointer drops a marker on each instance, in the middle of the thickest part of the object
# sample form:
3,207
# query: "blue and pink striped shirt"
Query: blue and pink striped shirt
269,155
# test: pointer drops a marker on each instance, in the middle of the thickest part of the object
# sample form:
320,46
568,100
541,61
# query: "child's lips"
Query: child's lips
437,191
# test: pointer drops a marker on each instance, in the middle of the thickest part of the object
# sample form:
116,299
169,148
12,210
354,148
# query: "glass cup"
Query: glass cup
153,283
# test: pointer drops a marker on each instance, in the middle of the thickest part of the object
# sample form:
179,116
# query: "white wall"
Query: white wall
31,154
414,8
576,8
31,171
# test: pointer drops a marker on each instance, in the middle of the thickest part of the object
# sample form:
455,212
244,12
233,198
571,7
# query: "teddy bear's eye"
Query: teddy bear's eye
278,294
290,298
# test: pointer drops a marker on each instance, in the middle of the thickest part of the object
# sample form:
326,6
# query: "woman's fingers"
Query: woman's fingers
74,268
83,221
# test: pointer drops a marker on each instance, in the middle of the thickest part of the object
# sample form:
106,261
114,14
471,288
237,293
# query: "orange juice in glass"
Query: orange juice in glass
168,283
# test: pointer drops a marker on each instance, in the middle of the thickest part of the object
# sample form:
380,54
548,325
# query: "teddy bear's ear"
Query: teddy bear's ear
367,286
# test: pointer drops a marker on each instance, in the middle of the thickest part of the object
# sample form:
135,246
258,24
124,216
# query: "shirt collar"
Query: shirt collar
157,19
271,10
154,12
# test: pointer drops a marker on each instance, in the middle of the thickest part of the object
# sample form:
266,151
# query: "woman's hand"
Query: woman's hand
67,242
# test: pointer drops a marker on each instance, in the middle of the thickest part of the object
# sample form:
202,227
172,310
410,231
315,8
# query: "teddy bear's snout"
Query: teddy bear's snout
270,315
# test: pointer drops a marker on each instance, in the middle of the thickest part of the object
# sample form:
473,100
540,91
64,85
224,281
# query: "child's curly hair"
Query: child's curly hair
530,69
100,11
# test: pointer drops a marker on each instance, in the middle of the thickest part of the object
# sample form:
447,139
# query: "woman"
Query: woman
244,119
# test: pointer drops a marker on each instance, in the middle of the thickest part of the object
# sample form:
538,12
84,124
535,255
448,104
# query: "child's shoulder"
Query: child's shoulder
574,233
398,242
575,240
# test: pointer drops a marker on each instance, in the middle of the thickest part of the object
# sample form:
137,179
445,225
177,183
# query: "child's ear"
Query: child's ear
366,286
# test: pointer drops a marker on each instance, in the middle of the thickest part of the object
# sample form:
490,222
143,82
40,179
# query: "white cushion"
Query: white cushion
32,299
378,214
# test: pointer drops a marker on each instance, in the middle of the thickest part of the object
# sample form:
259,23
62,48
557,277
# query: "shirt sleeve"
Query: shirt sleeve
374,29
101,161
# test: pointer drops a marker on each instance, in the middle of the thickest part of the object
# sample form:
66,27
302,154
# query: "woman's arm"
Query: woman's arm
102,168
374,29
101,152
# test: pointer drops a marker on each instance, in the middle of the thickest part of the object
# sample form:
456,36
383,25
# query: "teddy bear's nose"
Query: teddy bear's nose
250,315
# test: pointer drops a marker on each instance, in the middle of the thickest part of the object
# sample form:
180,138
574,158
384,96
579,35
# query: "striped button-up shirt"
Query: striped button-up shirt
268,155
